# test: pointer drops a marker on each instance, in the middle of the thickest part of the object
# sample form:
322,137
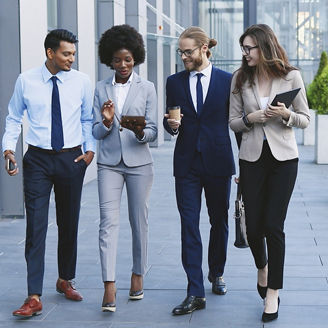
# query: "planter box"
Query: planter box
309,132
321,139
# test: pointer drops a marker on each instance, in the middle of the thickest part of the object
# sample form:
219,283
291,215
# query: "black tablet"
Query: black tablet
285,97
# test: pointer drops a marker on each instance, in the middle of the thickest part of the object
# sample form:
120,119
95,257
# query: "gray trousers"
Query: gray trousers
138,182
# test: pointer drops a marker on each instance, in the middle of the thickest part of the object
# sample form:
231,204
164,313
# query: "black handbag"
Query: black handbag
240,221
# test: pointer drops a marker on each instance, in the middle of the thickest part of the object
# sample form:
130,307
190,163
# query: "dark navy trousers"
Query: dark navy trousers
188,194
41,172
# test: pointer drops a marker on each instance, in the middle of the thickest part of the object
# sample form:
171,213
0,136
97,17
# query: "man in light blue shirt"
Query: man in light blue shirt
58,103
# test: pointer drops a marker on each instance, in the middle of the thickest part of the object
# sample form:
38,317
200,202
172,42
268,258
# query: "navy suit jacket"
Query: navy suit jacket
211,126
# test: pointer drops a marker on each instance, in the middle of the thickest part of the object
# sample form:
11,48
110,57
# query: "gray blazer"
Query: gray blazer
114,144
279,133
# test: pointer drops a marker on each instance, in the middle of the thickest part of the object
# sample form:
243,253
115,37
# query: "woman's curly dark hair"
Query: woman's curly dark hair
121,37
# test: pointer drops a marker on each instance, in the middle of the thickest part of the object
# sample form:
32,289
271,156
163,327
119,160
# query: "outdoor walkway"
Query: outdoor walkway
304,300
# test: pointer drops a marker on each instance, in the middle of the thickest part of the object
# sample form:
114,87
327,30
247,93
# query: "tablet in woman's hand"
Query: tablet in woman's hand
129,121
285,97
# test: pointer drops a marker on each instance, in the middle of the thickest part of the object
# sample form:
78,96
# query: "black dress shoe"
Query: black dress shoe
190,304
267,317
262,291
219,286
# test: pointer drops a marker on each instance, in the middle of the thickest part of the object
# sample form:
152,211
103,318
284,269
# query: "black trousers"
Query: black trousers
267,186
41,172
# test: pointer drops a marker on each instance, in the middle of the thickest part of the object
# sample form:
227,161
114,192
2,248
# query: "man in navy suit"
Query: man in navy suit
203,159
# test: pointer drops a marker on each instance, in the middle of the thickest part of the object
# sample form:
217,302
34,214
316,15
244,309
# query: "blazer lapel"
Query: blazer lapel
274,89
110,90
132,94
256,92
211,89
186,84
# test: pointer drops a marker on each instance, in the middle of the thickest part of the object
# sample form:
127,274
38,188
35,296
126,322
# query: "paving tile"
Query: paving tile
304,299
301,316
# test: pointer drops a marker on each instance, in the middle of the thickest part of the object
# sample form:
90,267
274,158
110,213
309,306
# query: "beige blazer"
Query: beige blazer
279,133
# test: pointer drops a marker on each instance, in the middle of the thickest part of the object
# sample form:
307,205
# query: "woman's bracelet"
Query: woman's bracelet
247,122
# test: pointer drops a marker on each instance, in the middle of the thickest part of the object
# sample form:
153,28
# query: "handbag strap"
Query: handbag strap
239,197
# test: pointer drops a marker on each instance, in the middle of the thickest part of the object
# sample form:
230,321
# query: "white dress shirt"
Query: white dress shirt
33,91
264,104
121,91
205,80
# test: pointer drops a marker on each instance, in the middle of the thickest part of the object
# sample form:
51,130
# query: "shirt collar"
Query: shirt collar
47,75
128,82
206,71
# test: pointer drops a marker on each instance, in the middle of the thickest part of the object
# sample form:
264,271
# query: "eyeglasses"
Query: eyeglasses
246,49
187,52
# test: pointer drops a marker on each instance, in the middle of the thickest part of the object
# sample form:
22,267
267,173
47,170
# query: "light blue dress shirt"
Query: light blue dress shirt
33,92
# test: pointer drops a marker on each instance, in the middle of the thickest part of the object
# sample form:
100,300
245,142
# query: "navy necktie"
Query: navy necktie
57,139
199,93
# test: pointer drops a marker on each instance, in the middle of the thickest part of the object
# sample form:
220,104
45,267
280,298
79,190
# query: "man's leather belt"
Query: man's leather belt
51,151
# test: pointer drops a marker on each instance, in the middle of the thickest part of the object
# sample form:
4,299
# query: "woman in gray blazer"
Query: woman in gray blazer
124,156
268,151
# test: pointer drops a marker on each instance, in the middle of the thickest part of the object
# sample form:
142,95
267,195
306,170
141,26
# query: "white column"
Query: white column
87,38
87,55
136,16
173,34
118,12
159,68
33,30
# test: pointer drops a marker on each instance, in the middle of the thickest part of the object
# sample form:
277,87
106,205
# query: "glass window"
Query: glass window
301,27
223,21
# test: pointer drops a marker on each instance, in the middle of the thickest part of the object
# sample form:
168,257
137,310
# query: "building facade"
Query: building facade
300,25
24,25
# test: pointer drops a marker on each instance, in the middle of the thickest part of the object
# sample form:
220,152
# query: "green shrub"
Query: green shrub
317,90
323,63
320,92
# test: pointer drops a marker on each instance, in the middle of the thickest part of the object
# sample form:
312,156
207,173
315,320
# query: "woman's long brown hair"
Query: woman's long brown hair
273,60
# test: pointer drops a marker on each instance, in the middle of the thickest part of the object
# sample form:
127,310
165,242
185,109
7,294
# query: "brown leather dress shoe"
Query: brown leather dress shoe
30,307
66,287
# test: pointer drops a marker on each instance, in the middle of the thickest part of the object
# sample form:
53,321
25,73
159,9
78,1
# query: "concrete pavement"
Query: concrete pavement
304,300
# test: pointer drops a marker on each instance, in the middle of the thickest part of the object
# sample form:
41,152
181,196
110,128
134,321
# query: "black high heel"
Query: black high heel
109,306
267,317
262,290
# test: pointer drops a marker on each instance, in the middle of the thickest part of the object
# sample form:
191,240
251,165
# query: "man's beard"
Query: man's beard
197,62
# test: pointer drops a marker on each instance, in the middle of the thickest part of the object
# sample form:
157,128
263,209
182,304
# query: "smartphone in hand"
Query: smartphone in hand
10,166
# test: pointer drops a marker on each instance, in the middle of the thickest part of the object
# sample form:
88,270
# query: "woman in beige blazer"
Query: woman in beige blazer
124,157
268,151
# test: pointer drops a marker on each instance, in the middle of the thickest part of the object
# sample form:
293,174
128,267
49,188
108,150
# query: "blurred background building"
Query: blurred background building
301,27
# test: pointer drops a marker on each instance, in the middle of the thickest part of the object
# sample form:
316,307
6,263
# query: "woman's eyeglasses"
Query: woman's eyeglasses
246,49
187,52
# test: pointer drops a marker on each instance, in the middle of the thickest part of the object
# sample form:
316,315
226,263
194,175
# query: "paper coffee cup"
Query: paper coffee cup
174,113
